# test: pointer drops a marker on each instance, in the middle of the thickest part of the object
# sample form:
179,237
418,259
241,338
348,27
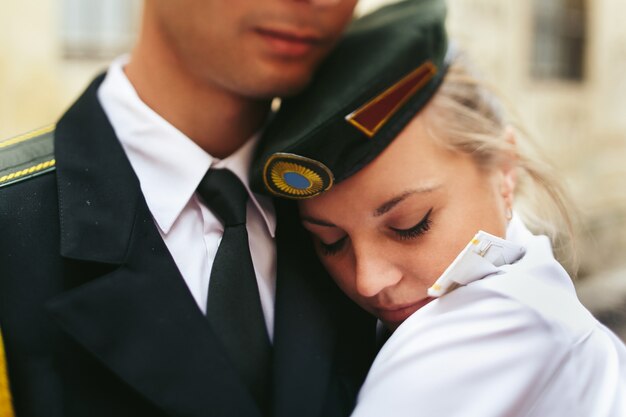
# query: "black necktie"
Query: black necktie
234,306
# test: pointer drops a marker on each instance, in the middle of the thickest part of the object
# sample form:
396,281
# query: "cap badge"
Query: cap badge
373,115
295,176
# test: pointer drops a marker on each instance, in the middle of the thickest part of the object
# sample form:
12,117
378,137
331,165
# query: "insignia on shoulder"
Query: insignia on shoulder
27,155
373,115
296,177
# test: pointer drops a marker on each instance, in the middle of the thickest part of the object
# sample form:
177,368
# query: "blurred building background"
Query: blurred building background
50,50
562,63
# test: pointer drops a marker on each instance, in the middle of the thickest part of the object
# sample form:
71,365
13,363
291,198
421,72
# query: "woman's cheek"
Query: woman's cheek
342,274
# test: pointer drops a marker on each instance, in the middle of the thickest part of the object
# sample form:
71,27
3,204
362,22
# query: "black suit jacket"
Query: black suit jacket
97,320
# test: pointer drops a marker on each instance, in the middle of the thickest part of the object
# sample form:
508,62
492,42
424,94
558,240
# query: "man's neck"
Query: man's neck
219,121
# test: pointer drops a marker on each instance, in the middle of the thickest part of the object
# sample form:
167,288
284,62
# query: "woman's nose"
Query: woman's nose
374,273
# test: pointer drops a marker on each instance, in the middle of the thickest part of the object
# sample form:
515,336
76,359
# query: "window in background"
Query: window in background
559,39
95,29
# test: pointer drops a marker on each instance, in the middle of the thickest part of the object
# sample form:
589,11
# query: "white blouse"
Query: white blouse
516,343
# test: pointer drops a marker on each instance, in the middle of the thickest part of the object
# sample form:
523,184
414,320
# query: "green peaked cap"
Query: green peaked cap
384,70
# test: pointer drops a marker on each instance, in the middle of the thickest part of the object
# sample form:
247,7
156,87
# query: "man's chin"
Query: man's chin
282,86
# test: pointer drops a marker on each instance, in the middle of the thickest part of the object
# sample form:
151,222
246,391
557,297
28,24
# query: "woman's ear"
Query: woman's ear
509,168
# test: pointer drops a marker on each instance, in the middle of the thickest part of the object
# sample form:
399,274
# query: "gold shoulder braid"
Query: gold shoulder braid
27,156
6,407
22,157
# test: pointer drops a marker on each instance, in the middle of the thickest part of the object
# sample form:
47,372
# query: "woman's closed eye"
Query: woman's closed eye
415,231
329,249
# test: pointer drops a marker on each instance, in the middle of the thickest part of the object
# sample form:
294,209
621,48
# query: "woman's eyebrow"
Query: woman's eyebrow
387,206
384,208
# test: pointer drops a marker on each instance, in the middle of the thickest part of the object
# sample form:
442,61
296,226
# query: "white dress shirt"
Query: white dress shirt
517,343
170,166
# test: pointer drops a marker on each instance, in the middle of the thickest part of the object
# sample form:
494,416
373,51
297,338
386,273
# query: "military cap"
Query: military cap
384,70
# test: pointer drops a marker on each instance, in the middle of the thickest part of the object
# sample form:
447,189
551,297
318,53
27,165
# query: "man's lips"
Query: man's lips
290,42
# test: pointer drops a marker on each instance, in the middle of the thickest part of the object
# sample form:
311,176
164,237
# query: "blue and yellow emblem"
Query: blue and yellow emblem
296,177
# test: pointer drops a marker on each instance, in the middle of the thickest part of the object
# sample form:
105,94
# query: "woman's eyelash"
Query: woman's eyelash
419,229
332,248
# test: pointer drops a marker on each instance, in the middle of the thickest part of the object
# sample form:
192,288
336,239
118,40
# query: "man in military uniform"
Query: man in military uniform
116,236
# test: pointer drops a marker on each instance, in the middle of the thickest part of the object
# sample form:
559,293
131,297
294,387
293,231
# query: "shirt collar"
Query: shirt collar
168,164
239,163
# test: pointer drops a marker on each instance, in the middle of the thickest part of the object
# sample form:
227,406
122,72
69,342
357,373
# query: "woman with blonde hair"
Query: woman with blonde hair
407,175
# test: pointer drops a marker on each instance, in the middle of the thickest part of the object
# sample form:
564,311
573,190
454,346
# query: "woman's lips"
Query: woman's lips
399,313
289,43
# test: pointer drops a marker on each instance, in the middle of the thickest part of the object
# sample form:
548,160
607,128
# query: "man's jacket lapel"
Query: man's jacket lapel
132,310
323,342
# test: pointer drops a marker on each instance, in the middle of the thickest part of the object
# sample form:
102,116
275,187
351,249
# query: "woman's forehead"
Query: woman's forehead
396,175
